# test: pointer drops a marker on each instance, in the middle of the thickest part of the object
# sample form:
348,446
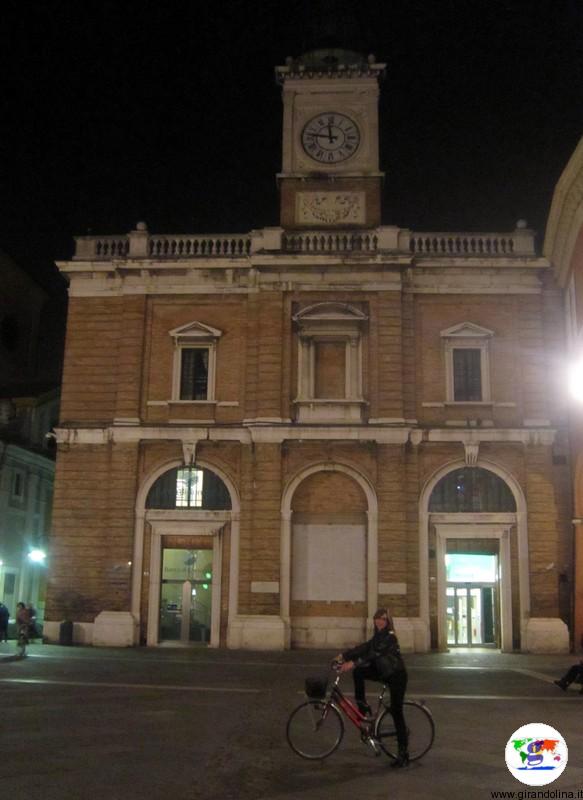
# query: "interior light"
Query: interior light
205,586
194,592
207,575
37,556
1,562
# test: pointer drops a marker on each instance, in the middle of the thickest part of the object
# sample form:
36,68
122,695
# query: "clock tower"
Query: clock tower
330,174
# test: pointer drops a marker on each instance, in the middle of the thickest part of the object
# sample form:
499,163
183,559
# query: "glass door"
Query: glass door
470,615
186,596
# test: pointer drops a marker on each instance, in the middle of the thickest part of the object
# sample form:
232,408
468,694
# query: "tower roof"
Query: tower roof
331,62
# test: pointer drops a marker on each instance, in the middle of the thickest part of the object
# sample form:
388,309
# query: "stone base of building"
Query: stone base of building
327,633
255,632
413,634
340,633
545,635
82,632
109,629
115,629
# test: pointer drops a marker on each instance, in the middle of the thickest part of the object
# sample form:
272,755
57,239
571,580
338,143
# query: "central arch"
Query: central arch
286,537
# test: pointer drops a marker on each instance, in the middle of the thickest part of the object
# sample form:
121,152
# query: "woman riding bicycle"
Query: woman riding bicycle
379,659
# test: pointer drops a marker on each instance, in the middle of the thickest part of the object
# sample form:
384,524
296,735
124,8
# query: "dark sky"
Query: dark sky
168,112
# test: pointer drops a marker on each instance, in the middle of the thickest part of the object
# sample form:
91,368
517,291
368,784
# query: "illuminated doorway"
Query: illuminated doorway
186,596
472,618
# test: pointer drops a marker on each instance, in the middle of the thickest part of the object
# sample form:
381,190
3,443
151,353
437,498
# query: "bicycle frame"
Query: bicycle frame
350,710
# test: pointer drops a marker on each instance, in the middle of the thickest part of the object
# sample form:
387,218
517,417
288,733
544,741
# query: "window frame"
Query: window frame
329,322
467,336
195,336
18,476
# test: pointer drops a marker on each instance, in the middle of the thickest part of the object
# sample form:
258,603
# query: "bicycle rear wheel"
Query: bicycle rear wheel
314,730
420,730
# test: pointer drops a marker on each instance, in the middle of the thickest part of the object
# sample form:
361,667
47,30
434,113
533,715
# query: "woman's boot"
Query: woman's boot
402,759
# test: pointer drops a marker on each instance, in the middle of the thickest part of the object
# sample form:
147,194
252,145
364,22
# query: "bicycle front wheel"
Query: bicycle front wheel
314,730
420,730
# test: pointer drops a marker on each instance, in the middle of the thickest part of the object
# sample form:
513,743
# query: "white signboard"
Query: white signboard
329,562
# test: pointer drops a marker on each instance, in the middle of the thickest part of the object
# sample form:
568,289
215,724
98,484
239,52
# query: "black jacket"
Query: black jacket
382,652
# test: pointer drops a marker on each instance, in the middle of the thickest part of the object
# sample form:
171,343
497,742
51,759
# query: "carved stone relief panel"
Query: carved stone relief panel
330,208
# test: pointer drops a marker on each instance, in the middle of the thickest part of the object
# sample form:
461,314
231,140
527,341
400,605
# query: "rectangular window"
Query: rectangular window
330,370
17,485
189,488
9,583
467,374
194,373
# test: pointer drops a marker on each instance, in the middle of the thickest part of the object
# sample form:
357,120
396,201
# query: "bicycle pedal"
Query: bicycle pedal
374,745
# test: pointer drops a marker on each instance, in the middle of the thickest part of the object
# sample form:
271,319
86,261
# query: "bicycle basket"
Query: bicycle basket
316,688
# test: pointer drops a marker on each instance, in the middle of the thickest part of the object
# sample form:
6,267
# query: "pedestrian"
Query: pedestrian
379,659
22,626
574,673
4,617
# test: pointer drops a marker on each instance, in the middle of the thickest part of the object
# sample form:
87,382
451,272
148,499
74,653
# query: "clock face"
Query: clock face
330,138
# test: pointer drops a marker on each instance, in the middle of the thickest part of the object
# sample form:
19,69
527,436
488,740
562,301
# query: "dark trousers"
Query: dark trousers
574,674
4,632
397,684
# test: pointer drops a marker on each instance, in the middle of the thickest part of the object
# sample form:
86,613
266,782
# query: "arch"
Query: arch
140,518
518,517
484,486
286,533
163,493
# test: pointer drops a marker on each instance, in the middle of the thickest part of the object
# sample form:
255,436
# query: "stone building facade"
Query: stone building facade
564,248
265,436
29,408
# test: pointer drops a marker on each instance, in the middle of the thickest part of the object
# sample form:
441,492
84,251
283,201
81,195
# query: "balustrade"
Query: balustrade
140,244
320,242
462,244
193,246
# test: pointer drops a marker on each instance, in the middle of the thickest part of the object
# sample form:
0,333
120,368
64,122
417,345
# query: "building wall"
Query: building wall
118,372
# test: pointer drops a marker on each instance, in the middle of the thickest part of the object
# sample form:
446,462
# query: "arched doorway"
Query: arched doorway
475,557
329,556
183,546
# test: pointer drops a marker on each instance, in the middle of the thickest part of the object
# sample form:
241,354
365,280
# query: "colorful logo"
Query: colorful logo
536,754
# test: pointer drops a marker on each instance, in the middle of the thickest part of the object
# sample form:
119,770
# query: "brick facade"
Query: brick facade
329,424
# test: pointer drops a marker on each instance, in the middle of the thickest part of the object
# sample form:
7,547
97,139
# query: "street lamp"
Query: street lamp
575,380
38,556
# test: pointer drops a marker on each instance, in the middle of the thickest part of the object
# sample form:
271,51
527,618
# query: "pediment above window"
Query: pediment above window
330,312
466,330
195,332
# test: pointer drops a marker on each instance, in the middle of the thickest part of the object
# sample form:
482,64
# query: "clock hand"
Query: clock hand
326,135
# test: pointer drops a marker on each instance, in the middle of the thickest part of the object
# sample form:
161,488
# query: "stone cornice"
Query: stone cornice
251,434
305,272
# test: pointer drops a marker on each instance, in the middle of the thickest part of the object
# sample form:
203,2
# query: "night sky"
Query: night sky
114,112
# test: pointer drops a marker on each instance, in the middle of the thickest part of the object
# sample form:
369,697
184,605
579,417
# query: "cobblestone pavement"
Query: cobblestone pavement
178,724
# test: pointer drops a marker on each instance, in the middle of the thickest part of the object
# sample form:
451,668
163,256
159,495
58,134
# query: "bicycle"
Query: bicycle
316,728
22,640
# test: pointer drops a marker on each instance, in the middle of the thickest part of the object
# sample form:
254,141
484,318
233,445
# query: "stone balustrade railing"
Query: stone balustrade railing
465,244
192,246
140,244
326,242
